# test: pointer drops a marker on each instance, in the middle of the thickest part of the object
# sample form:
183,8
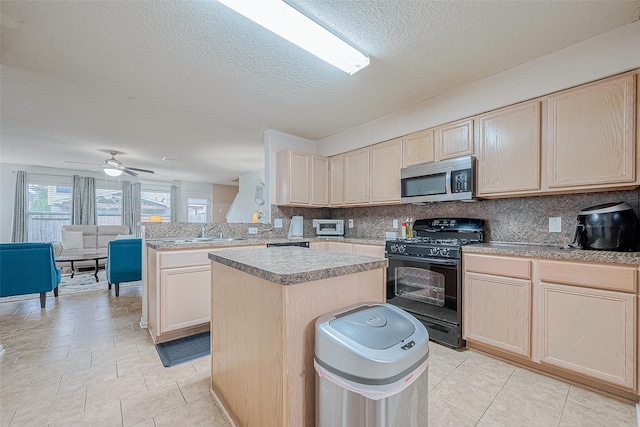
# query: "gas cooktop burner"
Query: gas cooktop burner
432,241
438,237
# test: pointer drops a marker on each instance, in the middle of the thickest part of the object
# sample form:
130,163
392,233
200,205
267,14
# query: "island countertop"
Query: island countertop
289,265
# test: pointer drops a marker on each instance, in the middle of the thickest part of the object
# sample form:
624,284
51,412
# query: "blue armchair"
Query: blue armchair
124,262
28,268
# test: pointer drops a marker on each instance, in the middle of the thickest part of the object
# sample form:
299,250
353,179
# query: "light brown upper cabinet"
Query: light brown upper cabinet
386,162
293,178
591,134
418,148
336,186
356,176
319,181
301,179
508,149
454,139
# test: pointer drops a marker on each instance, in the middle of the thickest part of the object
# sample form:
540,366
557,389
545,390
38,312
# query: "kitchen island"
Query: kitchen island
264,303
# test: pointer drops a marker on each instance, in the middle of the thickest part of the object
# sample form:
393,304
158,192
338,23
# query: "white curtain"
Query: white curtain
174,203
83,202
131,204
19,225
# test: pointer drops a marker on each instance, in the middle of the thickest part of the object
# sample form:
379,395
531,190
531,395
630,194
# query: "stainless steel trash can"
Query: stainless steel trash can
371,364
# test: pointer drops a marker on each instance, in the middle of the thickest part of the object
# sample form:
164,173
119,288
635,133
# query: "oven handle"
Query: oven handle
431,260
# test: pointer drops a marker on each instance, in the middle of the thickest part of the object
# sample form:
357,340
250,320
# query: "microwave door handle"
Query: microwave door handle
448,182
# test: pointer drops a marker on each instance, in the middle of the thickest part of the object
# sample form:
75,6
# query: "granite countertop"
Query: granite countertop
287,265
542,251
171,244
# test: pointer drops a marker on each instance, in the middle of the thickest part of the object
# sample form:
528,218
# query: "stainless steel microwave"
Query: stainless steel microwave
446,180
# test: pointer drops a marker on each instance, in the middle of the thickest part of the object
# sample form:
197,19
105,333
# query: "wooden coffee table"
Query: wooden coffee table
82,257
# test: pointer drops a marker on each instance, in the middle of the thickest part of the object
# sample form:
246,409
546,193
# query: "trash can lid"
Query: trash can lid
375,327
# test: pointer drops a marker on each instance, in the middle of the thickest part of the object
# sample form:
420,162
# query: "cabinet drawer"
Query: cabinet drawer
614,277
498,265
175,259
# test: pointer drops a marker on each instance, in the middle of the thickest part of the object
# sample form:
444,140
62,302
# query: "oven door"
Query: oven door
430,289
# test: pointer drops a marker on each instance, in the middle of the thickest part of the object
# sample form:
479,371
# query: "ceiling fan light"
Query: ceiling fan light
112,171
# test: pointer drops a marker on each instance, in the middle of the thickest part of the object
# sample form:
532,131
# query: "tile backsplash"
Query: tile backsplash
522,219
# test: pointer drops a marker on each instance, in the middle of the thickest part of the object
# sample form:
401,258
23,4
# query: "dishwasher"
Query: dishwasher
299,244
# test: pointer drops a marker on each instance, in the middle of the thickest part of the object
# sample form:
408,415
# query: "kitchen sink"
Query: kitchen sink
206,239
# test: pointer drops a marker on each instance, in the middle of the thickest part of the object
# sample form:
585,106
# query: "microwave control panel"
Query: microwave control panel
461,181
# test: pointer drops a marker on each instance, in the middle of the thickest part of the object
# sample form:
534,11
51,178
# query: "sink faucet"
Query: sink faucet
205,231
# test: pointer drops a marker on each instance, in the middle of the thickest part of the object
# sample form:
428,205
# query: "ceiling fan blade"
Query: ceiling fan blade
128,172
140,170
83,163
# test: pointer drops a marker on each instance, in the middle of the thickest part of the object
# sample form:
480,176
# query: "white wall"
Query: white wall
275,141
607,54
244,204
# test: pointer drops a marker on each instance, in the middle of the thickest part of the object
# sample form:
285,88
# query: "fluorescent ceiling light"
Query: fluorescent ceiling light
112,171
282,19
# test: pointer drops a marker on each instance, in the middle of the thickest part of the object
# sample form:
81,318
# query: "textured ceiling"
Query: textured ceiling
196,82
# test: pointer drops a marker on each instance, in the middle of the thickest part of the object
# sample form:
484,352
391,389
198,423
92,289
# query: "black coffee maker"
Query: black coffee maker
608,227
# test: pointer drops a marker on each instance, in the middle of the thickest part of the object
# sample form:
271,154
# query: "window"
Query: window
48,209
197,209
155,202
109,206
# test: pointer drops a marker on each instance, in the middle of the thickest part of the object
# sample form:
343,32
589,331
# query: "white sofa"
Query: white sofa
95,239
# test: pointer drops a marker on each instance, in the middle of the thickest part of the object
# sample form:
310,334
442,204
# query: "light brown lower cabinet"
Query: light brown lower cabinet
179,292
570,318
497,312
588,331
185,293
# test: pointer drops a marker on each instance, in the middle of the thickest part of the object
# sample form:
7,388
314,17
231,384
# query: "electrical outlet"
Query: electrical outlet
350,223
555,225
277,223
395,223
253,230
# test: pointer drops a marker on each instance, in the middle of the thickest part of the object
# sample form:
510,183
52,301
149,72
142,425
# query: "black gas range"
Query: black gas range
424,276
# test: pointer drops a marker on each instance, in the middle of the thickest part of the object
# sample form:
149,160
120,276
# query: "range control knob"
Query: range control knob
398,248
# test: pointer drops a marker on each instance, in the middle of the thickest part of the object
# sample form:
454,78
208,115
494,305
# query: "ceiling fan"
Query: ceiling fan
114,167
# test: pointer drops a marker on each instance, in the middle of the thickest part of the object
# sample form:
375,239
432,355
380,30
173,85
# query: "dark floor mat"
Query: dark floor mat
184,349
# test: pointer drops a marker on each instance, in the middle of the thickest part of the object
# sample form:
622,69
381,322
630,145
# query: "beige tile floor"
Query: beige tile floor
84,361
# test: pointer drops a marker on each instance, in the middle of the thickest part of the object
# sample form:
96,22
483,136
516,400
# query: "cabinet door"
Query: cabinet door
497,312
319,181
368,250
508,149
356,176
345,248
386,162
454,139
591,134
336,183
293,172
588,331
185,297
418,148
